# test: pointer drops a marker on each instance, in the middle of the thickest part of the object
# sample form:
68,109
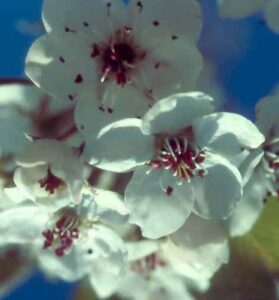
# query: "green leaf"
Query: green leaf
264,237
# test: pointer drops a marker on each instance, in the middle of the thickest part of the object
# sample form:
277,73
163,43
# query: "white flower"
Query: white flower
261,169
186,158
49,173
26,111
150,276
267,110
244,8
198,249
116,59
71,242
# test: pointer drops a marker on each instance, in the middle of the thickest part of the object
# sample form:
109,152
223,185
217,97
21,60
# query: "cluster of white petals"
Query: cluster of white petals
135,182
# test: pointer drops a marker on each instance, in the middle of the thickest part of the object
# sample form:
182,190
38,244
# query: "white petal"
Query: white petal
86,16
248,166
235,9
183,18
197,232
140,249
219,190
96,110
157,213
227,133
109,269
27,181
12,135
267,110
249,208
61,65
110,207
173,67
120,146
44,151
198,263
271,15
22,225
176,112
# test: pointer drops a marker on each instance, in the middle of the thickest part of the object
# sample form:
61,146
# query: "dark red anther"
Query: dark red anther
60,251
50,183
48,234
201,172
60,223
200,158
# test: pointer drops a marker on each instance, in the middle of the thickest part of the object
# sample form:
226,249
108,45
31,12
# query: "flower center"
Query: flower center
118,56
50,183
65,231
178,155
117,60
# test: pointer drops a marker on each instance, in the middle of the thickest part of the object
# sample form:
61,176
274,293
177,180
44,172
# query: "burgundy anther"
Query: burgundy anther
50,183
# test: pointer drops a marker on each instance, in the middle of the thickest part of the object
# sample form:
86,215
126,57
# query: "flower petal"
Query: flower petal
176,112
86,16
227,134
149,202
22,225
248,166
110,207
62,69
267,110
198,263
249,208
219,190
120,146
201,247
183,18
235,9
95,111
174,66
140,249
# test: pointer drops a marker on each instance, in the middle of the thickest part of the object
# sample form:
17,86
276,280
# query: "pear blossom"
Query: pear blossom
198,248
267,110
235,9
261,170
114,59
72,242
27,111
150,276
49,173
185,159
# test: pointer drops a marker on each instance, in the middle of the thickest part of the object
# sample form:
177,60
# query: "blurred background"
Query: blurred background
241,66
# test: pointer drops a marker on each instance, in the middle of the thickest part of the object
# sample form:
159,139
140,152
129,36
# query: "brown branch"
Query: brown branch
23,81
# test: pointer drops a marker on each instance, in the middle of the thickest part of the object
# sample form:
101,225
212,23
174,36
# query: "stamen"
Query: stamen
50,183
178,155
64,233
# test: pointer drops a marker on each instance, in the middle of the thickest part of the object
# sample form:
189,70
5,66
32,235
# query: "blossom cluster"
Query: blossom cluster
113,167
